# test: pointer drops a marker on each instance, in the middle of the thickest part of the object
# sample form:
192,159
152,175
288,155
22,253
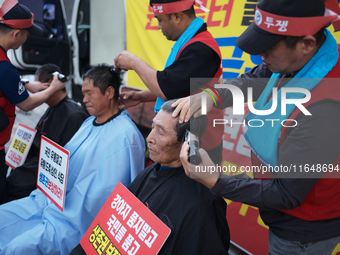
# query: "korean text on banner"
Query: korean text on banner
20,146
52,171
226,20
124,225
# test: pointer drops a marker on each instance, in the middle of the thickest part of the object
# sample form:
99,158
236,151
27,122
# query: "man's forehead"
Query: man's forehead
87,84
160,16
165,120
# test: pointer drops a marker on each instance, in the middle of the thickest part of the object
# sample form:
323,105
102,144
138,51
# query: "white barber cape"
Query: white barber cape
100,157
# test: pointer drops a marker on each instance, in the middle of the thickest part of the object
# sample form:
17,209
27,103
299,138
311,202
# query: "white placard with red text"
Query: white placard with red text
20,146
52,171
125,225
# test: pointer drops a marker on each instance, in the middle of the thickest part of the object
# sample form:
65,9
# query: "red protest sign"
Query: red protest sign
124,225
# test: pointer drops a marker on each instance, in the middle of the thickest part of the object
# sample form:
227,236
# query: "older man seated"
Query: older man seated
107,149
196,217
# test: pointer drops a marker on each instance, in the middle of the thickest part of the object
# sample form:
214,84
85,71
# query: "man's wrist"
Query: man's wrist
148,96
135,63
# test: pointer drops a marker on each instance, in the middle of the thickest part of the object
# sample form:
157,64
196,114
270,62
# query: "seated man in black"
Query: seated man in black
197,218
59,123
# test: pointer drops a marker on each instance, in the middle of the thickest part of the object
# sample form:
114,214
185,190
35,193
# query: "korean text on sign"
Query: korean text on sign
52,171
124,226
20,145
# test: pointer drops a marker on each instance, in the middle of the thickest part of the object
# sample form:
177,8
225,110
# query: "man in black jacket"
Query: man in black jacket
59,123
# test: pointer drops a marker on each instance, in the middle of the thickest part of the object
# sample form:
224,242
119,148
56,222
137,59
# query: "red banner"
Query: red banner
124,225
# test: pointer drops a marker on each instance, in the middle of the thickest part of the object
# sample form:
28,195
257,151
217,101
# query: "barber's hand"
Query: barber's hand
125,60
129,98
190,106
56,83
36,86
199,173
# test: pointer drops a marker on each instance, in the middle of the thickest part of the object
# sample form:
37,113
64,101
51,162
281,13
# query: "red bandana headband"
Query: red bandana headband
14,23
178,6
295,26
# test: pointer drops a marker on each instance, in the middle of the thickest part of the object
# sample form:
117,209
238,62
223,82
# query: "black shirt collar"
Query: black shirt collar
111,118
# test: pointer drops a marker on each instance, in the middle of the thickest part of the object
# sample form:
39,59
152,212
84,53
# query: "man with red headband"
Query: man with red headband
299,199
195,54
16,22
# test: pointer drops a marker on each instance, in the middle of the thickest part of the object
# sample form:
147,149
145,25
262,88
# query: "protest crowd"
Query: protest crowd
93,184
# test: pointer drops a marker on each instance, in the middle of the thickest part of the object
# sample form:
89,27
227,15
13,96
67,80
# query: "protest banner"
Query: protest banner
52,171
124,225
20,146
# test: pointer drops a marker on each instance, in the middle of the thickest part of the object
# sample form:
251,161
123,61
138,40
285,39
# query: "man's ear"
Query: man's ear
308,44
15,33
178,16
110,92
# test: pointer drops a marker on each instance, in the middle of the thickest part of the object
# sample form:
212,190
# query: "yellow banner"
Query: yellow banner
226,21
144,39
